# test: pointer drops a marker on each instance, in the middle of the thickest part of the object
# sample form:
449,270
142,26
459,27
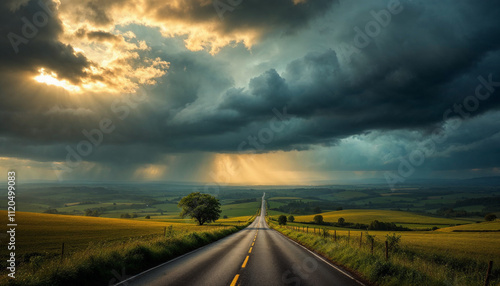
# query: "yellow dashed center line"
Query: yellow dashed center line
245,262
235,280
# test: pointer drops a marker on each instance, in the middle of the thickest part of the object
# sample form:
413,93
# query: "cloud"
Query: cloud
37,45
206,26
218,84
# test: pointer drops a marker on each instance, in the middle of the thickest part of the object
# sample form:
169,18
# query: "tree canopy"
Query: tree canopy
282,220
318,219
200,207
341,221
490,217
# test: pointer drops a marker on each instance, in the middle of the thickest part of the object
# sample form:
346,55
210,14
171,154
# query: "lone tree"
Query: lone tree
490,217
200,207
291,218
341,221
318,219
282,220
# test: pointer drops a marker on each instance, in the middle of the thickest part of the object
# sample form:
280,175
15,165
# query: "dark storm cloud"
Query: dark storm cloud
264,16
283,15
407,78
188,76
428,59
36,45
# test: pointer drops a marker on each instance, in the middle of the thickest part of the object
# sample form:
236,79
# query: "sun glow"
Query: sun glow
260,169
51,79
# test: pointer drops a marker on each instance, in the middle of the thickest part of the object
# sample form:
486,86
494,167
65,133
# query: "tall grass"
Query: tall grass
109,263
405,265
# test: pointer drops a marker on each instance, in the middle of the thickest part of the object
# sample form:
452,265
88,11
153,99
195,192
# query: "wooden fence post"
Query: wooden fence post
488,273
62,252
372,245
360,240
335,235
307,229
386,250
348,235
164,231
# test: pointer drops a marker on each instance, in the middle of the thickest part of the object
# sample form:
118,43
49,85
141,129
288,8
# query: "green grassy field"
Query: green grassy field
284,198
349,195
234,210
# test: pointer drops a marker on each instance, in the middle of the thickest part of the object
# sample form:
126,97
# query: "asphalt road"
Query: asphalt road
256,255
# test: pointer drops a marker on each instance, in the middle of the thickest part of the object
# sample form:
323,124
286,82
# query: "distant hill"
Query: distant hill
480,181
490,181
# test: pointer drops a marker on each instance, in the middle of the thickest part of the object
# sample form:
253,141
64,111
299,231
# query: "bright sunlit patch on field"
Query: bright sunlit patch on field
51,79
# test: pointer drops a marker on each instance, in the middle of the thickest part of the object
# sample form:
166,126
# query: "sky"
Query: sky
249,91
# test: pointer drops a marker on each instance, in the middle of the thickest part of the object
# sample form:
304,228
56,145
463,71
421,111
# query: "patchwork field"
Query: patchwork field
452,255
398,217
468,240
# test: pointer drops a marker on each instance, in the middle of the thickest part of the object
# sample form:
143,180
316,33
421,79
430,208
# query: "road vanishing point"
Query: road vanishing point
256,256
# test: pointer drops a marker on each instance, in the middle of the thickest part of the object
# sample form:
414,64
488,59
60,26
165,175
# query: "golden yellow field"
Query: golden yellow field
479,245
485,225
426,257
471,243
367,216
46,232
